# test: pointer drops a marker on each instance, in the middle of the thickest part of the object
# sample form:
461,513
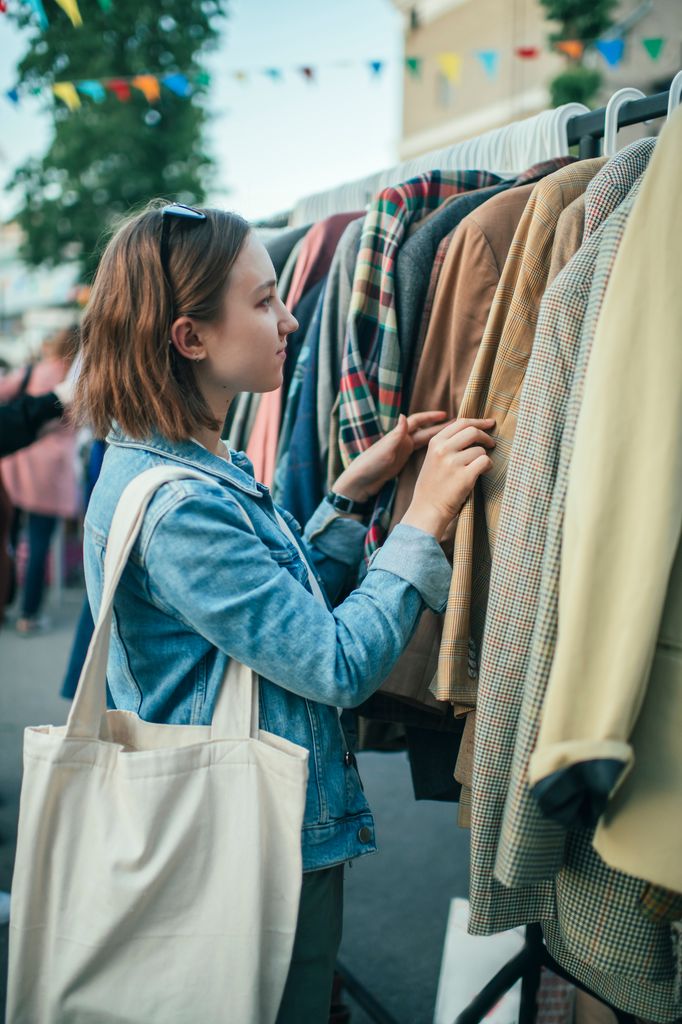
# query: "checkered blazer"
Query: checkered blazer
370,397
591,915
493,390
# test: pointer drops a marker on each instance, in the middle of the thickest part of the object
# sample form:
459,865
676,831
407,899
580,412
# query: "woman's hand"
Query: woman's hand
367,473
455,460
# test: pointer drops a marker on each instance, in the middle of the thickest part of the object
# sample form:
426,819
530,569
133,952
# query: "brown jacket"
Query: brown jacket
466,288
493,390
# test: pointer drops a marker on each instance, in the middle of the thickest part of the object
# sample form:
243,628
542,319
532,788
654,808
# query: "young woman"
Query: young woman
184,315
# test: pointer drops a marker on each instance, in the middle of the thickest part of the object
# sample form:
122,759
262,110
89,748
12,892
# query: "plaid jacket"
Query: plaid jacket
591,914
493,390
372,371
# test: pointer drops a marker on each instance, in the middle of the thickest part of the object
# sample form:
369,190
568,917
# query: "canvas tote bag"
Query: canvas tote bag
158,867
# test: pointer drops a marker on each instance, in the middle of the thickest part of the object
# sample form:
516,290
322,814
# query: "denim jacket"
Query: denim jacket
201,587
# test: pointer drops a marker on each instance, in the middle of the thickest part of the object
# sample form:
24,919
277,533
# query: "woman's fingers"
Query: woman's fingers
421,437
425,419
456,426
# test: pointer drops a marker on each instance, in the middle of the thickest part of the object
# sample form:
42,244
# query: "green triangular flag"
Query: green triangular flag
414,65
654,46
202,78
105,5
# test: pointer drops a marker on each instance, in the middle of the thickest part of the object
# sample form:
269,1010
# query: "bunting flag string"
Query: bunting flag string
449,65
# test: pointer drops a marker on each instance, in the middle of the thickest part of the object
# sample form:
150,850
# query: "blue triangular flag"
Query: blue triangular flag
274,73
490,60
177,83
13,95
95,90
612,50
376,67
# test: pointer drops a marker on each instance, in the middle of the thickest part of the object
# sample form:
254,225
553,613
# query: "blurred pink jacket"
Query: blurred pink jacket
42,478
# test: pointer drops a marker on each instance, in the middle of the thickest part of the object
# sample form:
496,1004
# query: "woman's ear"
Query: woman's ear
186,341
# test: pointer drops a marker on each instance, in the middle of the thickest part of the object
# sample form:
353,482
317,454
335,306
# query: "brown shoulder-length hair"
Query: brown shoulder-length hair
130,374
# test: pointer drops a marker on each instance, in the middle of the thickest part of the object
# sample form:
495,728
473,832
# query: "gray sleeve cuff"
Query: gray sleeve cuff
335,535
418,558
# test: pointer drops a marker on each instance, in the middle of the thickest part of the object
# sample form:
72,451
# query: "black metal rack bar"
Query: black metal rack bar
585,131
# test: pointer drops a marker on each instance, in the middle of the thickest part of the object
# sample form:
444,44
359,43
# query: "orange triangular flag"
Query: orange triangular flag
71,8
149,85
571,47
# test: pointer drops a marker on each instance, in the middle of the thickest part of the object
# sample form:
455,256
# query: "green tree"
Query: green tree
110,156
585,21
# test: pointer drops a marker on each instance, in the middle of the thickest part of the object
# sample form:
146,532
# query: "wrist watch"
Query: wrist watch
343,504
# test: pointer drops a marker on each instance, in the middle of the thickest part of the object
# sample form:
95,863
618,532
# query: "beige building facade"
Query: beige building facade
441,108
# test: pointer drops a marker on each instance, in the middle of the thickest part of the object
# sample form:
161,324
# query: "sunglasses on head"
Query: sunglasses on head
178,212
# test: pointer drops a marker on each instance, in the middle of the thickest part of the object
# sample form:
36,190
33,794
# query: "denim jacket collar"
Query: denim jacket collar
238,472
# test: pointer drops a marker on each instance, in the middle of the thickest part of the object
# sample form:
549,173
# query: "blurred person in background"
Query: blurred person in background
41,480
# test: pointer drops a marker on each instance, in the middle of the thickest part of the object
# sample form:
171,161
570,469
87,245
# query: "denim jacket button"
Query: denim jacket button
365,834
349,759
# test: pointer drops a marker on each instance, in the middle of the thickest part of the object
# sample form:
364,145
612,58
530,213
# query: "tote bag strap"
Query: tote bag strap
235,715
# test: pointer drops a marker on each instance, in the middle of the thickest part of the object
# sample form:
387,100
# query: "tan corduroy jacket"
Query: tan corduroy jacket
615,692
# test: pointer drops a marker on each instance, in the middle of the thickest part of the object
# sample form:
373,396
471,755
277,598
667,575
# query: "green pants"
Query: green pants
307,993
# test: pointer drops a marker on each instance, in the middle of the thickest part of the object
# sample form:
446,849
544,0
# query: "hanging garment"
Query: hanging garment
310,330
514,658
591,915
332,336
493,390
531,848
303,484
469,278
280,247
614,743
313,263
371,376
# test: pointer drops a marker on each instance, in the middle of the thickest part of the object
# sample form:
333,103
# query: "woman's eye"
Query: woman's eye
267,301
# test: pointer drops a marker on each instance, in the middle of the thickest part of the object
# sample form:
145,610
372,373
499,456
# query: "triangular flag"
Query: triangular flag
13,95
308,74
3,7
67,94
178,83
451,65
571,47
95,90
120,89
202,78
37,6
149,86
241,76
376,67
527,52
274,73
71,8
105,5
414,66
612,50
654,46
490,60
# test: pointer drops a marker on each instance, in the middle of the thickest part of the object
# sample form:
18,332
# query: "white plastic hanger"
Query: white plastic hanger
675,94
618,100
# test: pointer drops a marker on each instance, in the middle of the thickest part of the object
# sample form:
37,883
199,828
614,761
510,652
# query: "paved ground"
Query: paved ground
396,901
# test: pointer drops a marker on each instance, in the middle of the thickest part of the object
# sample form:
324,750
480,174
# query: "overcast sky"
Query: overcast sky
274,142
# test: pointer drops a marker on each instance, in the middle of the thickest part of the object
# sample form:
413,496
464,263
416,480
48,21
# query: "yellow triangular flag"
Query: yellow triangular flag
450,64
66,91
71,8
149,85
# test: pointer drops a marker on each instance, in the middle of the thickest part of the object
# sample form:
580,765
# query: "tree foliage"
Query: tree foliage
586,21
106,158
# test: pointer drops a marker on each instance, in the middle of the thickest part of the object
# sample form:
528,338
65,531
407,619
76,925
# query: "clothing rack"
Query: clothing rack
586,131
